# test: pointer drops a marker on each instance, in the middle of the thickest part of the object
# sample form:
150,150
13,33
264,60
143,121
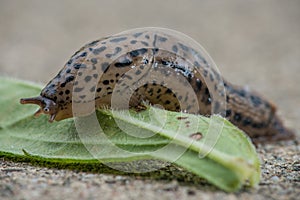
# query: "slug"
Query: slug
161,67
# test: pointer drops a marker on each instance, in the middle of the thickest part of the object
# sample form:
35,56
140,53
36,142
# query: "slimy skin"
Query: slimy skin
154,66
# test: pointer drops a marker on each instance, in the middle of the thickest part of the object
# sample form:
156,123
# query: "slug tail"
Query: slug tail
280,131
276,132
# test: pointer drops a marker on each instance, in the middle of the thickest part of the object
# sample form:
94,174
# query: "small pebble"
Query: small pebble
274,179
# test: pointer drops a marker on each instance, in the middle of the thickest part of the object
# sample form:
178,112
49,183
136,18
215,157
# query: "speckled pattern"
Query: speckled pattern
154,57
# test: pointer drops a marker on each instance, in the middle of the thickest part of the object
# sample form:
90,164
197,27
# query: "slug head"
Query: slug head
47,106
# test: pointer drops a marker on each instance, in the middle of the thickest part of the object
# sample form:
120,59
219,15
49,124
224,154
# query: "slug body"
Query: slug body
155,66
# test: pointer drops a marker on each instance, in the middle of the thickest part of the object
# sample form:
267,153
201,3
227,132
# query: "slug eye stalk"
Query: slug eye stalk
47,106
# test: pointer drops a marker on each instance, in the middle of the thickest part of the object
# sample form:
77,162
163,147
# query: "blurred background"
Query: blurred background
254,43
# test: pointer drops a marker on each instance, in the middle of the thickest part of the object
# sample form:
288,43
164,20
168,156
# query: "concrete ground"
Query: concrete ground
254,43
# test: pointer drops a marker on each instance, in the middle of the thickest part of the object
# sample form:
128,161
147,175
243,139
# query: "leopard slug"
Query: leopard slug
120,62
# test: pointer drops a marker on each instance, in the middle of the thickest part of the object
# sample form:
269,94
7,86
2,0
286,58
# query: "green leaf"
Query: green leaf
123,139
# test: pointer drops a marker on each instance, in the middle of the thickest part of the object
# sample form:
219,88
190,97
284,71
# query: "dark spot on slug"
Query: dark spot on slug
94,60
211,77
127,76
188,107
138,72
104,67
237,117
227,98
154,41
70,62
242,93
117,50
258,125
133,41
186,98
99,89
150,91
162,39
206,91
68,71
183,47
145,43
205,72
138,52
79,65
217,107
95,75
137,34
115,40
105,82
67,92
155,50
168,91
175,48
255,100
228,112
77,89
83,54
99,50
196,64
166,63
93,89
87,78
247,121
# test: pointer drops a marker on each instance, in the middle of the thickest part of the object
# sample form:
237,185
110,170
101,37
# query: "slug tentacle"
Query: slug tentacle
38,112
33,100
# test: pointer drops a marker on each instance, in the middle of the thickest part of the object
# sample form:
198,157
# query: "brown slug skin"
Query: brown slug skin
97,68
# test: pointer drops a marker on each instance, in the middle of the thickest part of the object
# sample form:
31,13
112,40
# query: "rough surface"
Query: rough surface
280,180
255,44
